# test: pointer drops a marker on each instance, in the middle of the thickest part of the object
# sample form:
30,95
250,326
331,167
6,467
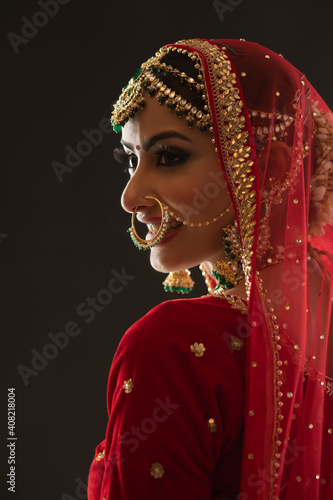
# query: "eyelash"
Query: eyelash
176,157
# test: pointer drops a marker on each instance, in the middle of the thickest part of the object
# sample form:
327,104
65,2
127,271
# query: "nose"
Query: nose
138,187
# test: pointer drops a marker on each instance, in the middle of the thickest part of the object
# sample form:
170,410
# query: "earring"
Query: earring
179,281
139,242
229,273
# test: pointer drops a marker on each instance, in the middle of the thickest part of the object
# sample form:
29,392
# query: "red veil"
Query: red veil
274,137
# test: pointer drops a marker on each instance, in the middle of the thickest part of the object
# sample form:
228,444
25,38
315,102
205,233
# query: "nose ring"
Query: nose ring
141,243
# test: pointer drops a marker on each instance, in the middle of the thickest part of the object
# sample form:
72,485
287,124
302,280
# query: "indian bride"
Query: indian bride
229,151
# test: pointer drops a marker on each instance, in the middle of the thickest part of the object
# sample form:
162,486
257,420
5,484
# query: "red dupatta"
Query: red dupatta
274,138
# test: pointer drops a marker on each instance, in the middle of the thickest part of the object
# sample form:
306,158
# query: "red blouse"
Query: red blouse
175,401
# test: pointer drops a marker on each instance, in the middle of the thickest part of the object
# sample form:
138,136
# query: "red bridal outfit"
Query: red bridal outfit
220,398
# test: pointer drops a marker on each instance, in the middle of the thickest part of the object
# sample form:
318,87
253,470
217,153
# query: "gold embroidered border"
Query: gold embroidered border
233,142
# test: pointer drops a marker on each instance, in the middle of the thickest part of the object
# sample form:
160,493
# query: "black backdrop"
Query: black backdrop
62,236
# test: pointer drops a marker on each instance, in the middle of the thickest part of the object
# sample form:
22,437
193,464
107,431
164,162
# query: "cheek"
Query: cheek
203,193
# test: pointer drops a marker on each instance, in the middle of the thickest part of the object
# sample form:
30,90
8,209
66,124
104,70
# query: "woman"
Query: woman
230,395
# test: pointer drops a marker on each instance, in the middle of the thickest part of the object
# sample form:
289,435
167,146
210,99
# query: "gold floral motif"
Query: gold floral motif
212,425
100,456
157,470
128,385
236,344
198,349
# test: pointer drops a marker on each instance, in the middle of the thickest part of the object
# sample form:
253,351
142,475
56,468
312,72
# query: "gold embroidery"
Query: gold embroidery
212,425
236,344
233,140
157,470
198,349
236,302
100,456
276,344
128,386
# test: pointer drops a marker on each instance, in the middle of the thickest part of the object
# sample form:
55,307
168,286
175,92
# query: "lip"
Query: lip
167,236
149,220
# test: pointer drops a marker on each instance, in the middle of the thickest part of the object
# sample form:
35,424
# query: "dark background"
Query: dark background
59,241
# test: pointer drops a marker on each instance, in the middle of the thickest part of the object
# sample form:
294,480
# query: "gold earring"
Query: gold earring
179,281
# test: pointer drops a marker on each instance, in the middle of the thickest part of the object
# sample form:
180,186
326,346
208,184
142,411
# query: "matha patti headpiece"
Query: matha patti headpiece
149,80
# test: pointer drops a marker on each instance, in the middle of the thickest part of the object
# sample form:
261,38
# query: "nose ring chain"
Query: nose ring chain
143,244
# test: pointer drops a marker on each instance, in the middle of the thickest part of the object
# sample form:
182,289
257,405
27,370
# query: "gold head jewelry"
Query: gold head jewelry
148,80
141,243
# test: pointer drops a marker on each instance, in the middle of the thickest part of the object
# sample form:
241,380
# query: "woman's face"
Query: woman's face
180,167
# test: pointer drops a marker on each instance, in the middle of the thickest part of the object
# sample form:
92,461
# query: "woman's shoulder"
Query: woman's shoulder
181,318
205,308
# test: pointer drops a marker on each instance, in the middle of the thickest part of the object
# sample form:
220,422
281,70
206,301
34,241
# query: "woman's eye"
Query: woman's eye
170,158
132,162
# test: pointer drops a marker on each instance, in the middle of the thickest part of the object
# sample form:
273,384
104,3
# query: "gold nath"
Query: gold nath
141,243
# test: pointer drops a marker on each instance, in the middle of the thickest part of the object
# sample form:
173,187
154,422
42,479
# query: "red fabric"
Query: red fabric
164,418
283,203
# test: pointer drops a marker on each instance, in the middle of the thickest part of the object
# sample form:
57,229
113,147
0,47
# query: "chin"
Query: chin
161,267
169,265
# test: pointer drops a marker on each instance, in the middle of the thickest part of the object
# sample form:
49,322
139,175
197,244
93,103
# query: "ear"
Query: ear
274,161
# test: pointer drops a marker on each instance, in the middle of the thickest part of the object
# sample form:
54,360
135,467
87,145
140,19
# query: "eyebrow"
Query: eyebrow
147,145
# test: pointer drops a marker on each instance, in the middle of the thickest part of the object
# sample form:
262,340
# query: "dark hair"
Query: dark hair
184,64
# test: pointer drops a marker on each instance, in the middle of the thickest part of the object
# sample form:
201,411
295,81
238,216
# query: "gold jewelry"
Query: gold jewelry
199,224
149,79
139,242
179,281
229,272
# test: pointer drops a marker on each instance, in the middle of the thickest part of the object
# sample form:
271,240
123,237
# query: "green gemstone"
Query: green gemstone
232,256
227,243
171,105
145,83
117,128
151,92
131,115
203,129
135,109
179,113
161,100
142,104
229,285
190,123
137,74
224,234
129,92
228,250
